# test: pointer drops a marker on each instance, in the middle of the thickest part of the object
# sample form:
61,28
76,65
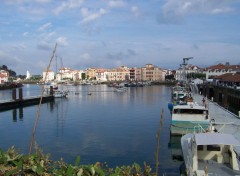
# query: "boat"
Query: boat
120,89
59,93
178,92
188,118
210,154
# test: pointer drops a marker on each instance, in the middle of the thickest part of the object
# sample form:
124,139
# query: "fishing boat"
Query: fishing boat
188,118
178,92
210,154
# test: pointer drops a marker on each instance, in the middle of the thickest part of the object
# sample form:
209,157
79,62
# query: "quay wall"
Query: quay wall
227,97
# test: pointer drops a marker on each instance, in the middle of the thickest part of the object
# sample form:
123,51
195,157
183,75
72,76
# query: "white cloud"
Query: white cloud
116,3
175,10
25,34
91,16
135,11
85,56
70,4
62,41
45,27
43,1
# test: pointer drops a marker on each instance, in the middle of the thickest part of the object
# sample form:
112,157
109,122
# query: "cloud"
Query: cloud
91,16
175,11
70,4
44,46
85,56
7,59
135,11
62,41
25,34
45,27
116,3
121,55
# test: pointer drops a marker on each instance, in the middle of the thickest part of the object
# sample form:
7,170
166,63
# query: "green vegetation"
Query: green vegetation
196,75
11,72
13,163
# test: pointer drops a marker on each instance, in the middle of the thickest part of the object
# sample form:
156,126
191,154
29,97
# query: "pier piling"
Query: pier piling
14,94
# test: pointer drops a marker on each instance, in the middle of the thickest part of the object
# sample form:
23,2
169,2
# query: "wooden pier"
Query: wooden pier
23,101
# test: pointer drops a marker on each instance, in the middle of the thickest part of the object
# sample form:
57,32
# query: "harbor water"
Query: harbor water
118,128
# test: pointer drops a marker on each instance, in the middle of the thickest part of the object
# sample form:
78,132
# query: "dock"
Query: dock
224,120
23,101
28,101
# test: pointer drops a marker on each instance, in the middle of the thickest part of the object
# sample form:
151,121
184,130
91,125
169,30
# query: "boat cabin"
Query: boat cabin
209,150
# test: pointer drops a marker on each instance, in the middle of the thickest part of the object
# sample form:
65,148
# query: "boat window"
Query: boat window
213,148
230,153
200,147
192,111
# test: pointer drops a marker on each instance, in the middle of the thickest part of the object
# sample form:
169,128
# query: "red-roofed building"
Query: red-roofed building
4,75
228,79
220,69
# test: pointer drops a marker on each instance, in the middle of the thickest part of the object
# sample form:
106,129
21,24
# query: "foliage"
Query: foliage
11,72
13,163
169,77
196,75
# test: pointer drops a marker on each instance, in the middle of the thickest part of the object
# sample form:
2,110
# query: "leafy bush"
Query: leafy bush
14,164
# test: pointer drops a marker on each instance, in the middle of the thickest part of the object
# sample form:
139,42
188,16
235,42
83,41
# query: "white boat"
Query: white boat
120,89
189,117
210,154
178,93
59,93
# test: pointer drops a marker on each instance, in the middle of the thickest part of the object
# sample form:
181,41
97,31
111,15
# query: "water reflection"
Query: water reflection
175,147
17,114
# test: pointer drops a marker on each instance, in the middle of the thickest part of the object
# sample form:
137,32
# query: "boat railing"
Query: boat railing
199,129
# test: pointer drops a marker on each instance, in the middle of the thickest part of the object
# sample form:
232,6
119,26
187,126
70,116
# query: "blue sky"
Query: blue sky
111,33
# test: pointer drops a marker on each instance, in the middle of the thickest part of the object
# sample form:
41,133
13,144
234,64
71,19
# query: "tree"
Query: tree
83,75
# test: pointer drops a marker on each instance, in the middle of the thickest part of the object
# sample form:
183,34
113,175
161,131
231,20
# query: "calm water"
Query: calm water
113,127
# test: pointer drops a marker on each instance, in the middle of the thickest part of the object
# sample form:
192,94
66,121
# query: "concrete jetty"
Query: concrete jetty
23,101
225,121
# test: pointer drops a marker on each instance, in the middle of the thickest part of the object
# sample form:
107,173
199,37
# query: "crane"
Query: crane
183,66
185,60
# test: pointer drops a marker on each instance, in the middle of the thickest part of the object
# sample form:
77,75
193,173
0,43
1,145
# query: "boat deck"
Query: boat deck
214,168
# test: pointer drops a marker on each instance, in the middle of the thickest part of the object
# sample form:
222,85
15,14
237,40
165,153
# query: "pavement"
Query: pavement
225,121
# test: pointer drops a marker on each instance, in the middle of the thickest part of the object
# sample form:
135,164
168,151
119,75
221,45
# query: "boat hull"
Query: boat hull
184,127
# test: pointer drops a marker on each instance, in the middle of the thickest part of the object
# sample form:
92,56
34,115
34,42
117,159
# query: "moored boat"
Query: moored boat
210,154
188,118
59,93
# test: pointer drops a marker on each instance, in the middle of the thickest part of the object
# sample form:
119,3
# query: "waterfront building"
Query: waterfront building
151,73
182,72
48,76
228,80
91,73
220,69
118,74
101,75
4,75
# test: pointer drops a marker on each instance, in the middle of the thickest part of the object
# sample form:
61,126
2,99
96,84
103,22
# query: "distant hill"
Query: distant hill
11,72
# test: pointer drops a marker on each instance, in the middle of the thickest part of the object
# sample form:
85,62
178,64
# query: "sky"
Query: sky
113,33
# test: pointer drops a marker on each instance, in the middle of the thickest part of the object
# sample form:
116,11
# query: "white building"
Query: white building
48,76
28,75
181,73
101,75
